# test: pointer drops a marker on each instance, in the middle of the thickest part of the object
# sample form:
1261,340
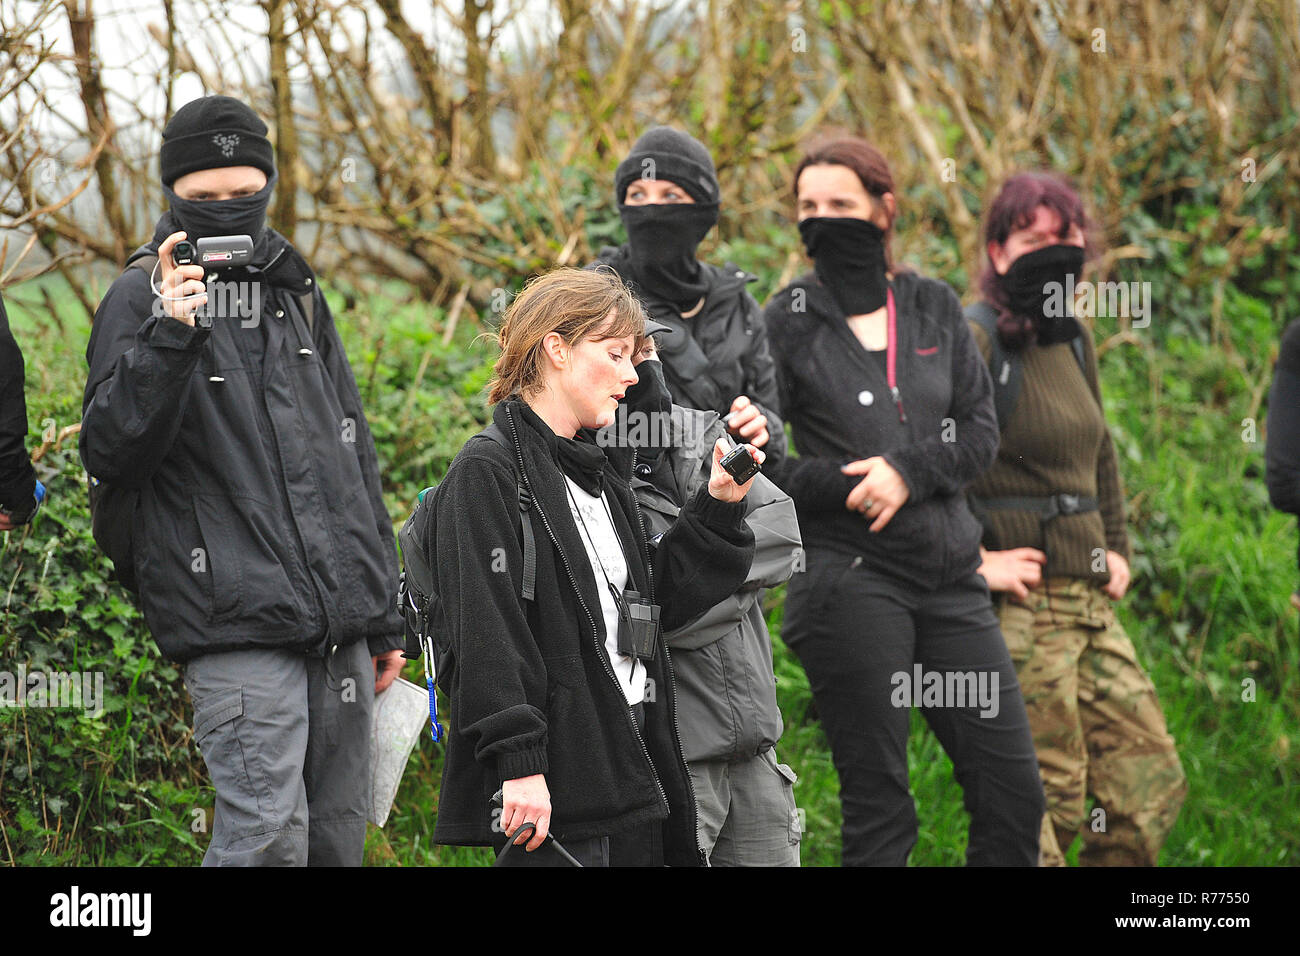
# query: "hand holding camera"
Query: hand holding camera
182,289
184,265
734,468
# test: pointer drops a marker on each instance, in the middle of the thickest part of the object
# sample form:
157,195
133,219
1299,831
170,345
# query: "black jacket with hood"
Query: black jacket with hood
837,398
17,479
720,352
726,693
260,521
1282,451
530,684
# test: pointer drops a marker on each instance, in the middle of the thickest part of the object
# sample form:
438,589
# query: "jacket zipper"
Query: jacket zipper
294,540
672,681
645,752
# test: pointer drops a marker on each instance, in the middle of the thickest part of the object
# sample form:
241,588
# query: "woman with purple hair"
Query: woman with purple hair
1055,545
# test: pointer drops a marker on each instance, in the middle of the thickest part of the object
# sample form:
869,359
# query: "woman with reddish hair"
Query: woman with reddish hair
1053,509
890,405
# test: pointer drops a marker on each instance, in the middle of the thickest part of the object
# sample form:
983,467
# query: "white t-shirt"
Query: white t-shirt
603,548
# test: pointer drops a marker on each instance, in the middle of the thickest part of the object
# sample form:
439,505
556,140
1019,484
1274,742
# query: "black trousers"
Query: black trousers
860,637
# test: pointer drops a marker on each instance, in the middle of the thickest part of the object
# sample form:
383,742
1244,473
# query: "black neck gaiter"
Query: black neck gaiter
581,461
849,258
242,216
662,239
1037,287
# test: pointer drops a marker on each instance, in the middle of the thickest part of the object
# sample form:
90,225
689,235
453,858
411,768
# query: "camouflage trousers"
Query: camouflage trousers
1097,727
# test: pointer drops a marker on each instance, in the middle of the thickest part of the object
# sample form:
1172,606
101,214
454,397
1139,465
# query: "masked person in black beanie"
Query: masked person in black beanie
891,410
1055,544
231,457
668,196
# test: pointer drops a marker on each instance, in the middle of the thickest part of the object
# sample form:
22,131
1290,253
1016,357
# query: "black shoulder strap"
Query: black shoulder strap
1006,367
308,302
529,589
1076,344
147,263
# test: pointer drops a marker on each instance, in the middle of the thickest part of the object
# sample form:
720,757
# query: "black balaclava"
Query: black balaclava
849,258
663,237
650,397
241,216
210,133
1040,276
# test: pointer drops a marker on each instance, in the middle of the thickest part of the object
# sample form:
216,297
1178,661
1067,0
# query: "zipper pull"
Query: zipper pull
898,400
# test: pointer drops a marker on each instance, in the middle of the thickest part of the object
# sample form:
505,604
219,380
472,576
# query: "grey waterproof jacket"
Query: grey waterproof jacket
722,661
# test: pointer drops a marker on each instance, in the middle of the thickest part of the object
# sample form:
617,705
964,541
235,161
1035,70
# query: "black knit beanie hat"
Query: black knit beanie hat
667,153
211,132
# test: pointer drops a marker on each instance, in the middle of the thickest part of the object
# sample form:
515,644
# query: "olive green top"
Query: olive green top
1056,442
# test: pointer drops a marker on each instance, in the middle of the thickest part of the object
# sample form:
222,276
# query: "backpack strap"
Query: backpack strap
1076,345
1007,368
308,302
147,263
529,589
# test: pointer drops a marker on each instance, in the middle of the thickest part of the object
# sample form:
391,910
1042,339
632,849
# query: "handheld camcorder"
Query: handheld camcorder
214,252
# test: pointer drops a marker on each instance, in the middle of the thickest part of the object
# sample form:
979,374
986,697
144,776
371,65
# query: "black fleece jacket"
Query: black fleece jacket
1282,449
837,399
719,353
530,684
17,479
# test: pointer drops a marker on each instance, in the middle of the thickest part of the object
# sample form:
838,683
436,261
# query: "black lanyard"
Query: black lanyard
619,603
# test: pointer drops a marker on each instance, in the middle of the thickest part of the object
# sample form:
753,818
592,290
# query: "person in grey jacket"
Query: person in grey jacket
727,712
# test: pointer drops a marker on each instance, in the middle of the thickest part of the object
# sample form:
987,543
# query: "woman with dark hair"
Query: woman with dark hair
1053,509
668,198
891,413
549,685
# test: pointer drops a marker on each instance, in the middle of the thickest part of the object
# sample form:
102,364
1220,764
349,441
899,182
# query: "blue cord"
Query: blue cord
435,730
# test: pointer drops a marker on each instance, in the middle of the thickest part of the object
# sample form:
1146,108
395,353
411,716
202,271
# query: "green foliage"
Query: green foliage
114,788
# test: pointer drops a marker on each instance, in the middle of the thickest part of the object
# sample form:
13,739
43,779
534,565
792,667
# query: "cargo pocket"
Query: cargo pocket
217,725
788,779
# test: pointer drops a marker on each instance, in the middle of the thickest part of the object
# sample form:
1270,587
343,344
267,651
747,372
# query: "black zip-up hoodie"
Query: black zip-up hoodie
836,396
531,686
260,521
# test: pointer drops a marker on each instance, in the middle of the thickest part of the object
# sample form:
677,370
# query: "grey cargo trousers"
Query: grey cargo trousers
286,739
